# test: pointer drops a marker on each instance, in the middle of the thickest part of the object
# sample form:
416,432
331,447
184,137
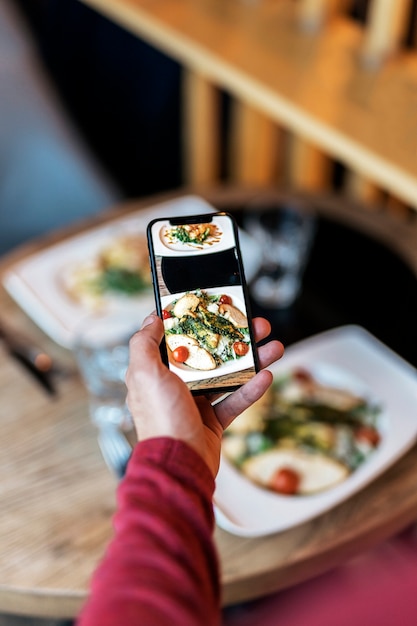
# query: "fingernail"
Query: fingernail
148,320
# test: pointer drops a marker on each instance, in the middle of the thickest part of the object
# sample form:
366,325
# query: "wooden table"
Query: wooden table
312,84
58,497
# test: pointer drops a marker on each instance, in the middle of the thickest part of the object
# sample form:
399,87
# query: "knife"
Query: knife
36,361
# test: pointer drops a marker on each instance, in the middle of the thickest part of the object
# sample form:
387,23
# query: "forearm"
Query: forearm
161,567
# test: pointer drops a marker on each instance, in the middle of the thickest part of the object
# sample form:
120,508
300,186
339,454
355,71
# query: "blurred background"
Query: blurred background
133,104
93,113
127,97
121,93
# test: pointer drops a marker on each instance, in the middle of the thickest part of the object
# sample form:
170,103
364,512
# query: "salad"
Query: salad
194,234
303,436
204,331
119,268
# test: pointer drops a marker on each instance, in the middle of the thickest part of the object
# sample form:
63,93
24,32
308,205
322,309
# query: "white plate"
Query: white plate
210,244
35,282
244,509
223,241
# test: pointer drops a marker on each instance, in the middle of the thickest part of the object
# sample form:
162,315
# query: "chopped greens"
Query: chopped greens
300,414
214,328
121,281
194,234
180,233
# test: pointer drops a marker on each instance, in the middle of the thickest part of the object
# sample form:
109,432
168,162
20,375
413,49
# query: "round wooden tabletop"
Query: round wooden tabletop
58,497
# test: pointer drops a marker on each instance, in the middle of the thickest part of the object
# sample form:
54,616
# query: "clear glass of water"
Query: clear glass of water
283,226
101,349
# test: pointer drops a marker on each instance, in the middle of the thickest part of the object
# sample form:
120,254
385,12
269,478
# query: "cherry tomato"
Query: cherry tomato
302,375
241,348
180,354
225,299
368,434
286,481
166,314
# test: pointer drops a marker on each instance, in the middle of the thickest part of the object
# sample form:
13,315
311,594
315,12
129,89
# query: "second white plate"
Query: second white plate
35,283
244,509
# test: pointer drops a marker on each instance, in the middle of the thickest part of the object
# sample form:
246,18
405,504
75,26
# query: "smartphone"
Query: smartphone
201,295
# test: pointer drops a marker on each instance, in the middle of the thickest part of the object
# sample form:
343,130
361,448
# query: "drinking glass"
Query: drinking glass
283,226
101,349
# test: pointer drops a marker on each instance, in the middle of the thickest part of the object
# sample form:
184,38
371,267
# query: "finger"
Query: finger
269,353
144,344
152,328
261,328
225,409
240,400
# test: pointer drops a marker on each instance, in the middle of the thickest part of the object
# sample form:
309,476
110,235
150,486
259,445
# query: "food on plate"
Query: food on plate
193,234
186,305
233,314
304,435
197,357
293,471
285,480
119,268
212,334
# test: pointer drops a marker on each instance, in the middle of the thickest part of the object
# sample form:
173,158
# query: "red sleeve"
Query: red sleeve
161,566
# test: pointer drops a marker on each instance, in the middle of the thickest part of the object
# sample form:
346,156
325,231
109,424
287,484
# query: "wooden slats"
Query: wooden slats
309,85
308,167
362,189
314,13
253,146
201,134
385,29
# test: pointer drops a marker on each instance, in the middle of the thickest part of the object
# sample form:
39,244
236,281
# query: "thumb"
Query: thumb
144,344
152,328
150,319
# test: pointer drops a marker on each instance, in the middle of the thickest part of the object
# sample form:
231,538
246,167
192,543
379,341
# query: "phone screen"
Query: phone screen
201,295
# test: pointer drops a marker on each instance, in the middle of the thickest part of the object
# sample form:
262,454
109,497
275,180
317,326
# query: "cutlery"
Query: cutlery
115,449
37,362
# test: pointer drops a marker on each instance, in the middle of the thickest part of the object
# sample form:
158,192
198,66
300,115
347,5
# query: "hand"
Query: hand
162,405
